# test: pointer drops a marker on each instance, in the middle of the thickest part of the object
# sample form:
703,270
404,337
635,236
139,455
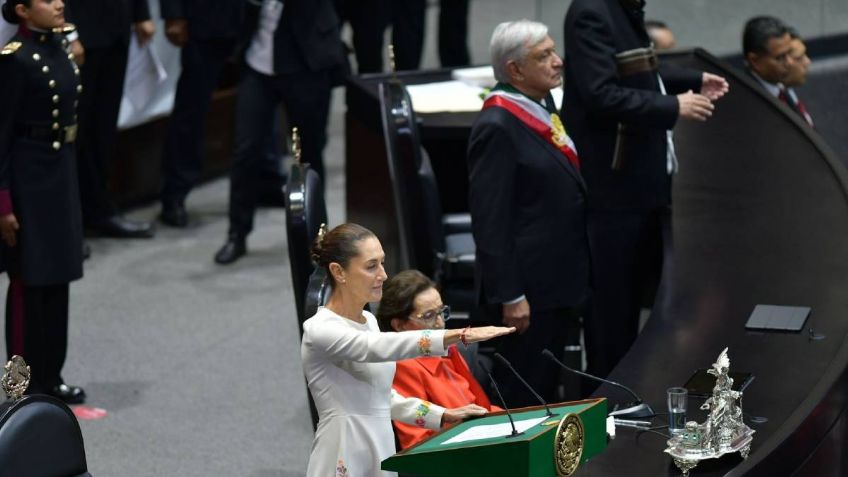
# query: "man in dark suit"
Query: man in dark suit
620,116
207,35
101,51
292,57
527,201
767,44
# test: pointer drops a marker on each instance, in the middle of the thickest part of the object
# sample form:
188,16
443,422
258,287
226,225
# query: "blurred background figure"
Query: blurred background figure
207,37
660,34
102,50
40,222
800,64
411,302
767,44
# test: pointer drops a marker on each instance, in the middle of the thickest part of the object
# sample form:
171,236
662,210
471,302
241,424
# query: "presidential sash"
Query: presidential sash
537,118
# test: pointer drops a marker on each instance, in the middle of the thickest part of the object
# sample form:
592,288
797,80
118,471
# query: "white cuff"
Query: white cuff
515,300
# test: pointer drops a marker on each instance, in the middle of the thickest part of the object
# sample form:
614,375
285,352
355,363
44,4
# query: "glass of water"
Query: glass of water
677,400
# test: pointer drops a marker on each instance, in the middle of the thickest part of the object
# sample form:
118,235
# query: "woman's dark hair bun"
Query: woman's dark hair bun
9,12
338,245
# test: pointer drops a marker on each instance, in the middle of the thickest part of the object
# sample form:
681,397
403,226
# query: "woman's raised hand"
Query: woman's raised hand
485,333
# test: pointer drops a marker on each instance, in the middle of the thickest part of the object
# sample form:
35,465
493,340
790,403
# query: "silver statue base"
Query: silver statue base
687,451
724,431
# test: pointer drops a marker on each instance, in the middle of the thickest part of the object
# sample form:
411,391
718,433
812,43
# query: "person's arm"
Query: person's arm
409,382
176,26
13,86
416,412
590,55
143,25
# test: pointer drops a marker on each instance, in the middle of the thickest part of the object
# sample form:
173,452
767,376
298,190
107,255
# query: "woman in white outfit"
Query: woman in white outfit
349,364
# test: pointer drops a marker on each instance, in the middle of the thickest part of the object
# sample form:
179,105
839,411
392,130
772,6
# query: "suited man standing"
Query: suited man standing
292,56
527,201
207,35
101,51
774,59
620,111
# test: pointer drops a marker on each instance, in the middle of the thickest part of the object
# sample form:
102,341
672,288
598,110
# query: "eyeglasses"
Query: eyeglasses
430,316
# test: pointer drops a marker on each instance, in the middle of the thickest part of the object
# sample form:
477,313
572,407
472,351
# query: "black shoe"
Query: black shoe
117,226
68,394
174,214
233,249
86,251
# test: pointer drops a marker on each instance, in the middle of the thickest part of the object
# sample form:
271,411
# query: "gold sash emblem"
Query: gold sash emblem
568,445
558,135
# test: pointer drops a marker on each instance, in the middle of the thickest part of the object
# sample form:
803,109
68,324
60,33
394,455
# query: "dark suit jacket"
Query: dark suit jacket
207,19
103,23
596,100
527,213
307,38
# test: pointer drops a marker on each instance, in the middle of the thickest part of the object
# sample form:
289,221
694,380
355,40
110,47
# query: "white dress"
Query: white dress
350,368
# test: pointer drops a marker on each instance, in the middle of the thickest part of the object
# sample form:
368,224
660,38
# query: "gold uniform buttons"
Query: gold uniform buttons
36,57
56,145
55,126
52,83
79,88
55,113
55,99
43,38
45,69
70,56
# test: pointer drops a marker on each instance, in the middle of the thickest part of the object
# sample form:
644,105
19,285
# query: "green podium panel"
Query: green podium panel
530,454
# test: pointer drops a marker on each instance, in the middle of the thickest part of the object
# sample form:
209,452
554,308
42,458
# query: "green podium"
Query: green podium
482,447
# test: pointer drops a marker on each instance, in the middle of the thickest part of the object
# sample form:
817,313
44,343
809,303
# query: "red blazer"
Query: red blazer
444,381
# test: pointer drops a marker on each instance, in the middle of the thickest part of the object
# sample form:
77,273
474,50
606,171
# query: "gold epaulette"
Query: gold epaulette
10,48
65,29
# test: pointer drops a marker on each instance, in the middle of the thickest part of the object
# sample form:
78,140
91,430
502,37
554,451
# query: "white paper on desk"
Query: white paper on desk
445,96
144,74
454,97
493,430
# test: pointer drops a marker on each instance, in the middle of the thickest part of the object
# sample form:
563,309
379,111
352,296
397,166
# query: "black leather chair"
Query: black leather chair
40,437
440,246
305,212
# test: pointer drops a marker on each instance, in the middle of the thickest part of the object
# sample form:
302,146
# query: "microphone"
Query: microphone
508,365
636,409
500,397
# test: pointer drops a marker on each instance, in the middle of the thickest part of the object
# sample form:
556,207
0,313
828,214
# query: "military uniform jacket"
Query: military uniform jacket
39,89
598,99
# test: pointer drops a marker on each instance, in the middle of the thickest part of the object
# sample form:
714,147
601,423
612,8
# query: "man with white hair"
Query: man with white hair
527,208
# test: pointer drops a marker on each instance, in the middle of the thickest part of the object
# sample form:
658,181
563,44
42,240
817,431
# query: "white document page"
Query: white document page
144,74
493,430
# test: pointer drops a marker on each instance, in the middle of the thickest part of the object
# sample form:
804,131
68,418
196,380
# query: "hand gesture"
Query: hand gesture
8,229
517,315
485,333
144,31
714,86
694,106
459,414
78,51
176,31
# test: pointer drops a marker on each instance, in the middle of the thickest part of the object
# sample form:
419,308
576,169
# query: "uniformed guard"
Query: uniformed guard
40,219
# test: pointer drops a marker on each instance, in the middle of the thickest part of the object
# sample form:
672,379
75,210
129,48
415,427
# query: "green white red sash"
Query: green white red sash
546,124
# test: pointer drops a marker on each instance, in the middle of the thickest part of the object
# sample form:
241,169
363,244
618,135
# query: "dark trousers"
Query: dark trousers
182,159
548,329
368,20
102,78
627,250
37,330
408,20
306,99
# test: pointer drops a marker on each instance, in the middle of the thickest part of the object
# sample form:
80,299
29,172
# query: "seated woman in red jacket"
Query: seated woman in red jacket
411,302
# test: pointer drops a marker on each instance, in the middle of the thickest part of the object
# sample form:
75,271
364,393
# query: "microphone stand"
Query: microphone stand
515,432
508,365
637,409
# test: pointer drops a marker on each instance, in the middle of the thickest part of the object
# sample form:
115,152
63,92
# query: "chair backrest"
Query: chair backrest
305,212
40,436
413,182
